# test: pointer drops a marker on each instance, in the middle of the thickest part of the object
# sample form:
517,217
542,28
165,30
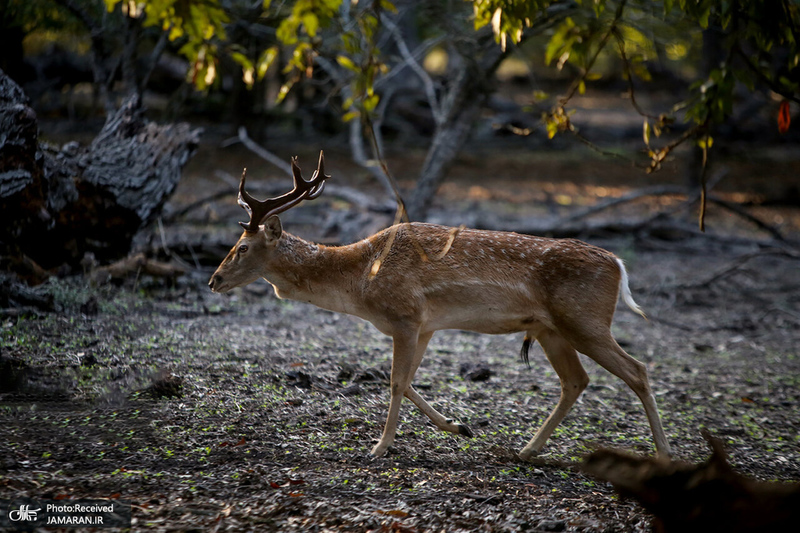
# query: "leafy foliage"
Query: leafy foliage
726,46
757,40
762,35
198,25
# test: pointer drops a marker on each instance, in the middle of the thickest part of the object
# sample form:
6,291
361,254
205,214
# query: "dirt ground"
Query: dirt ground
242,412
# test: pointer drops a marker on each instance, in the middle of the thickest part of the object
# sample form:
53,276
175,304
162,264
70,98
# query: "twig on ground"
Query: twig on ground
138,263
656,190
735,265
740,211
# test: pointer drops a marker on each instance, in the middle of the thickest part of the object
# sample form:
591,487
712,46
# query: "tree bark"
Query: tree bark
58,204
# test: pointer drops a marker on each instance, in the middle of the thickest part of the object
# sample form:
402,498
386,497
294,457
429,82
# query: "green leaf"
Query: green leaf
702,19
242,60
287,31
111,4
554,46
646,132
284,91
347,63
352,115
551,124
388,6
705,142
371,102
265,60
539,96
311,23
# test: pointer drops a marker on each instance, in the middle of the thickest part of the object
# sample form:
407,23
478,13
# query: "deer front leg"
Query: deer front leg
403,369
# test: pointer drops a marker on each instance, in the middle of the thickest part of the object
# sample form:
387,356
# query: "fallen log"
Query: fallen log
57,204
688,498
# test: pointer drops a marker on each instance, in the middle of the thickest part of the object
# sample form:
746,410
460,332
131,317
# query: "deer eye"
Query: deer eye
242,248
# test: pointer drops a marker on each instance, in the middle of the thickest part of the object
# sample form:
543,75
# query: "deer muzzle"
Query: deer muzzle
215,283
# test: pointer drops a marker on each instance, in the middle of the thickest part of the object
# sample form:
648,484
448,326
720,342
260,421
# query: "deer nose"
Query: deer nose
215,280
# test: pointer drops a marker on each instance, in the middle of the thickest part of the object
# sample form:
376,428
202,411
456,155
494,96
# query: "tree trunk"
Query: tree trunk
447,142
477,62
57,205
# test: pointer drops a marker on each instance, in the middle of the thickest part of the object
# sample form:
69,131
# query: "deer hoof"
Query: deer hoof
464,430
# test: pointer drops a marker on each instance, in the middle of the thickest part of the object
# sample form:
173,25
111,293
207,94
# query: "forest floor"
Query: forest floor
242,412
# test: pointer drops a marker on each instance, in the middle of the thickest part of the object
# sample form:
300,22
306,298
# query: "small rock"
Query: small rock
475,372
166,386
552,525
352,390
346,371
372,374
299,379
88,360
90,307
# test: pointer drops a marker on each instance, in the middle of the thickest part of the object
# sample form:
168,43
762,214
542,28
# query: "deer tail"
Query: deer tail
625,290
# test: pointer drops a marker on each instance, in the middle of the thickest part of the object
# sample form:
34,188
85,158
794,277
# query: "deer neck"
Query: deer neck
317,274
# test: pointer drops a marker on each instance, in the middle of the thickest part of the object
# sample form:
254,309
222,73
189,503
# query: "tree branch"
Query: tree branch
763,77
410,60
262,152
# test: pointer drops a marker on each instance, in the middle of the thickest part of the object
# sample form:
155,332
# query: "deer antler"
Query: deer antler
260,210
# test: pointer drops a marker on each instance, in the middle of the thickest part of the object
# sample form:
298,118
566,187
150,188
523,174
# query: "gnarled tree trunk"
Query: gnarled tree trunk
58,204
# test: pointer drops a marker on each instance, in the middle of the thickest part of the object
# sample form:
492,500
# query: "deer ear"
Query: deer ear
273,229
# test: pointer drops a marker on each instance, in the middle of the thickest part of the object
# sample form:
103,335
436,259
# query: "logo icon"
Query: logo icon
24,513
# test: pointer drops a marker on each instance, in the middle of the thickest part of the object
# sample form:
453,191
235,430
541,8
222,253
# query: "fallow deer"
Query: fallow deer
413,279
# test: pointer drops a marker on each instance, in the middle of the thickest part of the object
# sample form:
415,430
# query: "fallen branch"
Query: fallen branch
735,265
656,190
737,210
136,264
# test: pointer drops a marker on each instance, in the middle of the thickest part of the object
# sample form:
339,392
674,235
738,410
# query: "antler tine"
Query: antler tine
255,208
261,210
297,175
316,177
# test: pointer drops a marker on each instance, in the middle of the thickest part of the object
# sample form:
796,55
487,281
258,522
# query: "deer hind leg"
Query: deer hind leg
439,420
607,353
565,362
405,361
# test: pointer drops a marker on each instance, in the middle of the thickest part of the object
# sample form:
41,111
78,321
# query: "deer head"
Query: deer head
246,261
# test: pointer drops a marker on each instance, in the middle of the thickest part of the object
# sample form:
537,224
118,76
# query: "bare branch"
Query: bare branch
262,152
582,79
629,76
419,52
411,61
152,61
